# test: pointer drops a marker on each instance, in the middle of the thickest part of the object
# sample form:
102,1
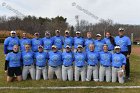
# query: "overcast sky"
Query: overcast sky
120,11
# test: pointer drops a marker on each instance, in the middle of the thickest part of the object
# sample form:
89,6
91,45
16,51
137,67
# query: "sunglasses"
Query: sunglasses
27,47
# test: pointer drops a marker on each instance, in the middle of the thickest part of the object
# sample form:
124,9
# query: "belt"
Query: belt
80,66
92,65
41,66
55,66
105,66
27,65
67,66
116,67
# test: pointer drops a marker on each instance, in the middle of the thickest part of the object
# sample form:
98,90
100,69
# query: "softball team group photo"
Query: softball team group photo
67,58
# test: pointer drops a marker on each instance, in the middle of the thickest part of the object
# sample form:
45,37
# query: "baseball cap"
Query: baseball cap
79,46
40,46
13,32
117,47
121,29
57,30
67,46
78,32
67,31
36,33
54,46
23,33
47,33
98,35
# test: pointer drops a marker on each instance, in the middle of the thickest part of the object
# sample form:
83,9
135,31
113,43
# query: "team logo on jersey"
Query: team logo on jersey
40,58
99,46
36,42
68,58
92,57
26,57
80,58
55,58
47,42
67,41
58,40
13,42
116,59
15,58
121,42
25,42
105,57
88,42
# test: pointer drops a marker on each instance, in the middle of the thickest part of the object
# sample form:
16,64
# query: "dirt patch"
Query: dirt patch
136,50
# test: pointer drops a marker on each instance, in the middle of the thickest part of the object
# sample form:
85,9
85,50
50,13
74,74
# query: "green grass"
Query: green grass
135,81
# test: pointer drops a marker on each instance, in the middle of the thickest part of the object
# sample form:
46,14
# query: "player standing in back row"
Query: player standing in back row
125,43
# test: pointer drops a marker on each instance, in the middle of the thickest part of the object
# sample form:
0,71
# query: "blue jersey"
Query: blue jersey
9,43
123,42
88,41
27,57
118,60
58,41
41,58
35,43
110,45
47,43
105,58
55,58
99,45
23,42
68,41
67,58
78,41
92,58
14,59
80,58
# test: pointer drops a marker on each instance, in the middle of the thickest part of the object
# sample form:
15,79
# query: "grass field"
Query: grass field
135,80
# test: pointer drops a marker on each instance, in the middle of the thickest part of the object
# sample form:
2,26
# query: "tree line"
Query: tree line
32,24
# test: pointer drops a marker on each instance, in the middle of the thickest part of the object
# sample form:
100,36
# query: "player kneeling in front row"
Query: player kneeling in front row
41,62
80,62
118,65
28,63
13,64
105,64
67,69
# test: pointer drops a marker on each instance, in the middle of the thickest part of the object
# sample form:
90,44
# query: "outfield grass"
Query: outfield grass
135,81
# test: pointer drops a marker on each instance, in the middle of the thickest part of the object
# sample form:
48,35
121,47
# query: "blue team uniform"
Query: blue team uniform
27,58
47,43
80,59
9,43
88,41
35,43
110,45
58,41
78,41
41,59
23,42
68,40
105,58
67,58
99,45
55,59
118,60
123,42
14,59
92,58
